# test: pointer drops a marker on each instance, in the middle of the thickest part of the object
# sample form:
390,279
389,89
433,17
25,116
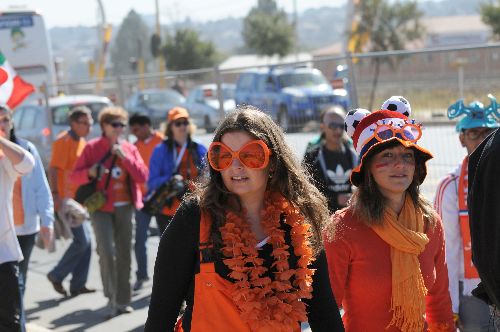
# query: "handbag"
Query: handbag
97,199
86,190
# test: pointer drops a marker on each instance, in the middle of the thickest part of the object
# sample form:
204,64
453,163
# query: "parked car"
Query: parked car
292,96
155,103
31,120
202,103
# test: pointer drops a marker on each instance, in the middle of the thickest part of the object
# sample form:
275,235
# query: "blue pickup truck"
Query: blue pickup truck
292,96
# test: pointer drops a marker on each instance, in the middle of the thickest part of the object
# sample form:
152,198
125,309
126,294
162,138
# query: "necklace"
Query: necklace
266,303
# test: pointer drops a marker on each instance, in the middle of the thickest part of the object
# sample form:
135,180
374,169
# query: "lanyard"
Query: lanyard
178,158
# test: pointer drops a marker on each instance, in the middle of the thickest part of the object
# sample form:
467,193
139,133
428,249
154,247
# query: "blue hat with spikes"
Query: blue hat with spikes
476,115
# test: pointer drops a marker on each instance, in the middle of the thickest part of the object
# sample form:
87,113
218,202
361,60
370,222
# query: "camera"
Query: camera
165,194
176,187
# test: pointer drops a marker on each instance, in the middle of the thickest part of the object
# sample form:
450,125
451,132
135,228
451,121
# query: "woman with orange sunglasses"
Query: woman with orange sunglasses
244,250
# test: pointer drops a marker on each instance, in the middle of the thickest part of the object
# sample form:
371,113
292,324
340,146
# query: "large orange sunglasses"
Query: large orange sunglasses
409,132
255,155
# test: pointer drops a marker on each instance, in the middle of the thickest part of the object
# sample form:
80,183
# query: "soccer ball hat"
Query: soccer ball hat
372,132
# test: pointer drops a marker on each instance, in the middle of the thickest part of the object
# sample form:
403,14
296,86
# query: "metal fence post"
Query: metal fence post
121,92
352,81
220,95
48,112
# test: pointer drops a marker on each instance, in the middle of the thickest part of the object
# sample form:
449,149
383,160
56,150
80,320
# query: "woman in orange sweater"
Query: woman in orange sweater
385,251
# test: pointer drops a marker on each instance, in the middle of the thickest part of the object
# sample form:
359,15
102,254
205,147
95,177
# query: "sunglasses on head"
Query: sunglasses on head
117,124
408,132
335,125
181,123
255,155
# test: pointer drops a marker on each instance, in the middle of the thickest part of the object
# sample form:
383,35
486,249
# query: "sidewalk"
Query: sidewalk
47,310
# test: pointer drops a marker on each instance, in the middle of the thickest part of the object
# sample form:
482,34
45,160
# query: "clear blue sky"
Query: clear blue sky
84,12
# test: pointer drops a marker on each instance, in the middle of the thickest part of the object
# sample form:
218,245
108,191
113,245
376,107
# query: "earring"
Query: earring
270,175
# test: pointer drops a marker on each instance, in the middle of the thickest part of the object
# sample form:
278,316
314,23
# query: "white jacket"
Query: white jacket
9,247
446,204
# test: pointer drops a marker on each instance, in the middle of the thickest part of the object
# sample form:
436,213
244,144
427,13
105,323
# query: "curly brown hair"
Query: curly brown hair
289,178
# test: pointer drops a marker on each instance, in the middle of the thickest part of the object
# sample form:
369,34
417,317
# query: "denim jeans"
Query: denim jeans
26,242
474,314
113,233
495,314
76,259
10,299
142,221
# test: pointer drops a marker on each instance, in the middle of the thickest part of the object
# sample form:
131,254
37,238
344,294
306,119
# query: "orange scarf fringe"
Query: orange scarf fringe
266,304
405,234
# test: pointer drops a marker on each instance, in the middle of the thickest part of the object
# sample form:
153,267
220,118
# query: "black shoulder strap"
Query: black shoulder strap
110,173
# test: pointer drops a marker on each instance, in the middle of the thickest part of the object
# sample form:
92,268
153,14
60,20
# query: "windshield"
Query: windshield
301,79
60,113
162,98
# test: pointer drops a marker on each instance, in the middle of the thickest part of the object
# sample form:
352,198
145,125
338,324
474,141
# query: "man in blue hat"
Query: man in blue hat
471,313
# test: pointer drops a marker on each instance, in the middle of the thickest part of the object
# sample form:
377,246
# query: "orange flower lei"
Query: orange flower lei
267,304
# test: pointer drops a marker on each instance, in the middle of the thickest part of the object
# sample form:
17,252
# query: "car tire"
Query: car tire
283,120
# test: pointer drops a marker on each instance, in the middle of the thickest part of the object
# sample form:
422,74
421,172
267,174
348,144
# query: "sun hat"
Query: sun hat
371,132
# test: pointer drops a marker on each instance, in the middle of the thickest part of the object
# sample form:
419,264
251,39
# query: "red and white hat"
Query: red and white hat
372,132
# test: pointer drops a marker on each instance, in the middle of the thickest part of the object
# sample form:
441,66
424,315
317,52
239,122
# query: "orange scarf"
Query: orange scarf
405,234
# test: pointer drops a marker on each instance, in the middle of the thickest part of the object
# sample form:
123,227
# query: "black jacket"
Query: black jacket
484,215
312,164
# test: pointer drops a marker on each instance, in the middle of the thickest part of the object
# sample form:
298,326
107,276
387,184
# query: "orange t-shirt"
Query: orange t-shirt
170,210
121,187
65,152
146,148
17,203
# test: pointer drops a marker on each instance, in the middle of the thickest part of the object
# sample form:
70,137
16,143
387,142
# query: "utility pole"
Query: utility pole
296,29
104,37
161,59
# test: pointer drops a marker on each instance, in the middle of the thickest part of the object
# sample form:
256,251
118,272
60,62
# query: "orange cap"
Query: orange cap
177,113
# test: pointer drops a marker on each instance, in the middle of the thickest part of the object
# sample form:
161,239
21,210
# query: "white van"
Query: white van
25,43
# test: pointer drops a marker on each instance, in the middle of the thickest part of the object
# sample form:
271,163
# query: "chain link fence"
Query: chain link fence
431,79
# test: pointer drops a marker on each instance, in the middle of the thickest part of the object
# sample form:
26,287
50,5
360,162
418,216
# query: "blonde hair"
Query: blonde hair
108,114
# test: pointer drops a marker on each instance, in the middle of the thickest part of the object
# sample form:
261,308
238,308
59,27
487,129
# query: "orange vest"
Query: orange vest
213,309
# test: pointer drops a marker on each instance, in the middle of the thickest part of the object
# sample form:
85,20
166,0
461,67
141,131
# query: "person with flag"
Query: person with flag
13,89
14,162
450,202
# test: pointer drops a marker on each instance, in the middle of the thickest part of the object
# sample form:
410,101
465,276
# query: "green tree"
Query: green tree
490,15
267,31
386,26
132,42
185,50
